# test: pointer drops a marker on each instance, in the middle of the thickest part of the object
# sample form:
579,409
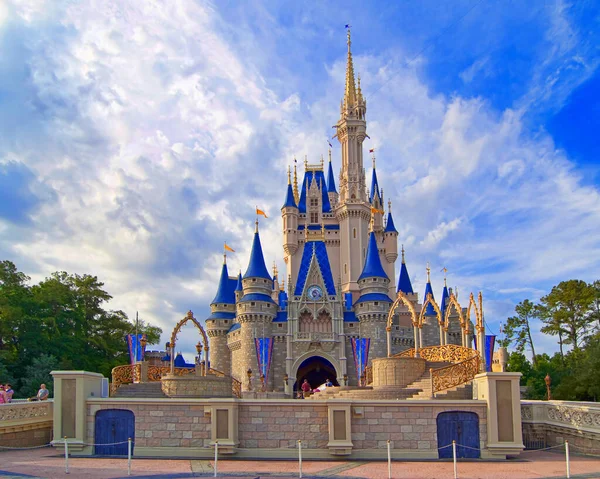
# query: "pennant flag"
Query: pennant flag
360,350
375,210
264,354
261,212
372,150
229,248
329,143
490,342
136,352
348,25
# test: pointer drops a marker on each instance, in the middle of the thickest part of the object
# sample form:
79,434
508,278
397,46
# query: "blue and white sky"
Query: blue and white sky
137,136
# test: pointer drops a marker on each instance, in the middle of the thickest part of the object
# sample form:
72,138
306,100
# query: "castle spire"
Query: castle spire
373,267
296,195
225,294
350,91
404,283
256,265
330,177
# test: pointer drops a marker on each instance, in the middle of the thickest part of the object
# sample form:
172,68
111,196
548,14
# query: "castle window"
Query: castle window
314,202
252,303
345,268
314,217
351,325
280,325
354,233
376,303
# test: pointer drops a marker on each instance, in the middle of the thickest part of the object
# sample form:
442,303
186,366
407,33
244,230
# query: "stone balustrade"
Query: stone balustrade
25,424
550,423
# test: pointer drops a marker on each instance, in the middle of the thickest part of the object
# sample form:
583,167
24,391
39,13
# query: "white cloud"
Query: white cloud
163,137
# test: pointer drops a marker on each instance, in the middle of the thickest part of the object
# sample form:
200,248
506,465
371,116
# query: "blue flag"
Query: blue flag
490,342
136,352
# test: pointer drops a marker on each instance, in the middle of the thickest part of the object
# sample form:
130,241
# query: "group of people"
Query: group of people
306,389
6,394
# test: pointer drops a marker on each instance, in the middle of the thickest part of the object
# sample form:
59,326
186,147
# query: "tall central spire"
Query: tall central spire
350,91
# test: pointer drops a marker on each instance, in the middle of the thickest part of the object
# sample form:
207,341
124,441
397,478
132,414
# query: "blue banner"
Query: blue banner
360,350
264,354
136,352
490,342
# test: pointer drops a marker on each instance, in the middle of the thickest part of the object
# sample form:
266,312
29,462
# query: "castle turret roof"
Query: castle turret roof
429,290
374,185
331,179
389,226
290,202
445,297
373,267
404,283
238,286
225,293
256,266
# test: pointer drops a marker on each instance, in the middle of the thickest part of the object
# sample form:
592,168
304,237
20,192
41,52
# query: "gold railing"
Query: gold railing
466,364
454,374
450,353
127,374
368,375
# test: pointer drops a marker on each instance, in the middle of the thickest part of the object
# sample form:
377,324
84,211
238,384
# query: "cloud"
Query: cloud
145,139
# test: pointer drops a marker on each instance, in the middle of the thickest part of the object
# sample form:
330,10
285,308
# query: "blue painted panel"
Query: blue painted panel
114,426
462,427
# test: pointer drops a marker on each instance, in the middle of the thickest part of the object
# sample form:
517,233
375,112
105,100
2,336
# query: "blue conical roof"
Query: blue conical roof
238,286
429,290
331,180
256,266
389,226
225,294
373,266
289,198
404,283
374,186
445,297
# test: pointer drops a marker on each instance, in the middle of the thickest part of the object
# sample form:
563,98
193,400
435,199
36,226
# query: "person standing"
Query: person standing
8,391
2,395
306,388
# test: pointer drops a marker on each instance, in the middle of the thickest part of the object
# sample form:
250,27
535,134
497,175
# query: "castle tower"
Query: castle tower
353,211
289,214
255,312
374,302
222,317
390,244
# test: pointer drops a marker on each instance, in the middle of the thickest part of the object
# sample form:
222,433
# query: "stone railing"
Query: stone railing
314,336
19,414
450,353
549,423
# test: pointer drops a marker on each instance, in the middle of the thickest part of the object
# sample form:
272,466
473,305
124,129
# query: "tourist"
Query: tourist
42,394
8,391
306,388
328,383
2,395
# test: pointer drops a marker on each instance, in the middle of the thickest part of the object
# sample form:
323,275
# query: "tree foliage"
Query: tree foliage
571,311
63,323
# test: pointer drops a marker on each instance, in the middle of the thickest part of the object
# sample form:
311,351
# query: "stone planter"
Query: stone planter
196,386
399,372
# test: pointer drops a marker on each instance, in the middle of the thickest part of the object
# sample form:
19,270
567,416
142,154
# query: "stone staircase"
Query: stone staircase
419,389
140,390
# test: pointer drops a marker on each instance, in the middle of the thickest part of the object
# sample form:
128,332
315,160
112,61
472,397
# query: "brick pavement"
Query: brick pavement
47,464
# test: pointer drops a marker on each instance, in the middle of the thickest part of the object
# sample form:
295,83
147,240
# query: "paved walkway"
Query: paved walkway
45,463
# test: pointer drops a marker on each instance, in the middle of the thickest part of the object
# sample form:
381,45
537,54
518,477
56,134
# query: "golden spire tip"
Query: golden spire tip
402,253
428,273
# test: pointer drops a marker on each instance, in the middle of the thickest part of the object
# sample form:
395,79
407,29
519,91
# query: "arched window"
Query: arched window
354,233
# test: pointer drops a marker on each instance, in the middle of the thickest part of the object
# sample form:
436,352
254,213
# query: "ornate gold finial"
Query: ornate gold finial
296,195
282,287
289,175
224,258
390,206
403,253
329,155
445,270
305,161
428,273
274,269
322,161
256,226
372,150
350,92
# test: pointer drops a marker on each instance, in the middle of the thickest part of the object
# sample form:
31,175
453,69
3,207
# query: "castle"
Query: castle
340,250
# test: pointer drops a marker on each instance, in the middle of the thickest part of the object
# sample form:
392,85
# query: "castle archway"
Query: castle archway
317,367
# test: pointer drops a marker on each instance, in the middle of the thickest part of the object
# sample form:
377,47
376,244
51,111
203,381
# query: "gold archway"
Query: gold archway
401,298
438,313
189,317
453,303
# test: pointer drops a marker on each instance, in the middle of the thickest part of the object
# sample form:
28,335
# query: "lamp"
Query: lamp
285,378
143,342
345,380
249,373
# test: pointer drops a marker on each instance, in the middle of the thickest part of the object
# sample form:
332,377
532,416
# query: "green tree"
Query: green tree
518,330
39,373
565,311
595,307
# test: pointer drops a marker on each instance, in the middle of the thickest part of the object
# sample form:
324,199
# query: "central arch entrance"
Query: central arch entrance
317,370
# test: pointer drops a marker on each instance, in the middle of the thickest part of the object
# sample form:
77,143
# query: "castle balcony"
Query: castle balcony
314,336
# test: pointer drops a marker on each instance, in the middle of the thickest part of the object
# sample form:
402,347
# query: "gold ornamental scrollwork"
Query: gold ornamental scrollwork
401,299
455,374
430,301
453,303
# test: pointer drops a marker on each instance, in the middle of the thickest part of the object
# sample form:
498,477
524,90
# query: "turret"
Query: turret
220,320
404,283
376,200
331,190
373,305
289,214
239,291
430,329
390,245
255,310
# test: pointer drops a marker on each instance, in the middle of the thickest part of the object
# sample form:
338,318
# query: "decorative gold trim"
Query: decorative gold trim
401,298
453,302
438,313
